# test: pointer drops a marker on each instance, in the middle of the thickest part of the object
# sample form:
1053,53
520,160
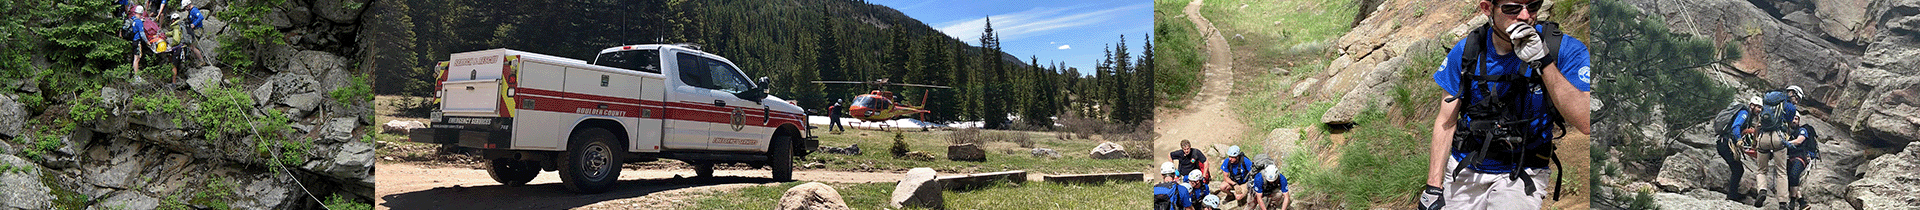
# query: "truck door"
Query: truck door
692,110
744,127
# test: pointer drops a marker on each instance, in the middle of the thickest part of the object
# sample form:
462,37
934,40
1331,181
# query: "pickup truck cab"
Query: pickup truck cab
529,112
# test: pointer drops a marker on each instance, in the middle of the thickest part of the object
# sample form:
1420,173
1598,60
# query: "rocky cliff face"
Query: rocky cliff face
1855,60
136,157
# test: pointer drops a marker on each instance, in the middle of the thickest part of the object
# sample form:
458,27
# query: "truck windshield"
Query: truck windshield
641,60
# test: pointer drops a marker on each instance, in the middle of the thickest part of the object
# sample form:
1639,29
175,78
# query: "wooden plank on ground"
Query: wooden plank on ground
1095,178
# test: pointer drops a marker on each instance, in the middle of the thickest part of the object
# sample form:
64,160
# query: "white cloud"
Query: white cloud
1063,47
1035,21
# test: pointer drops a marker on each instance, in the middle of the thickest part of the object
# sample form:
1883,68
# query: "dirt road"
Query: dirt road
1210,118
413,186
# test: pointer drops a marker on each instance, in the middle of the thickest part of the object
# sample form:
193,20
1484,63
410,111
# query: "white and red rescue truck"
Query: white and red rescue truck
529,112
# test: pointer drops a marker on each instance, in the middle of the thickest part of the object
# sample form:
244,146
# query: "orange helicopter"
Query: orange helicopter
878,105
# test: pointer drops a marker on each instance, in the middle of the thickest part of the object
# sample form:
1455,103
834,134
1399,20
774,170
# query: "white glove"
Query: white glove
1526,42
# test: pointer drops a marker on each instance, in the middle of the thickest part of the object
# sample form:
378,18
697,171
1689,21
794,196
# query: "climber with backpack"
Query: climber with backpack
1512,87
1170,194
1800,154
1770,140
1269,184
1730,126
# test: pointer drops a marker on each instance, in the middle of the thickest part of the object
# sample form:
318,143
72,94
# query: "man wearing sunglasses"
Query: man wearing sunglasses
1513,86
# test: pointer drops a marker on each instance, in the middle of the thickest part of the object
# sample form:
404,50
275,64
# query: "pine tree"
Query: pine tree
993,108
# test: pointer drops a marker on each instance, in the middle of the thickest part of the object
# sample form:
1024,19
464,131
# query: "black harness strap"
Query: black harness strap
1495,119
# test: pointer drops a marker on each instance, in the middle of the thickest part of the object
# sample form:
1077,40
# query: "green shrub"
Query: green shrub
338,202
224,110
86,108
218,192
899,148
359,92
249,18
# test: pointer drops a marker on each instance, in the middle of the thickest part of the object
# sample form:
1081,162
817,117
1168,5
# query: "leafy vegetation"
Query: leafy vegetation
357,92
218,192
340,202
249,18
1657,69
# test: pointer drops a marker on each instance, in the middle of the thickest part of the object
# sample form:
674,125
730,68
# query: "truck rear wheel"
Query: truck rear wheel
782,158
703,169
512,173
592,162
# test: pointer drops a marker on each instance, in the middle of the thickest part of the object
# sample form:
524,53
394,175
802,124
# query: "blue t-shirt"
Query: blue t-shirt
1572,61
1237,171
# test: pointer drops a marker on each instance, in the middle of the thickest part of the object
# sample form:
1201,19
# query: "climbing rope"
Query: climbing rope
288,172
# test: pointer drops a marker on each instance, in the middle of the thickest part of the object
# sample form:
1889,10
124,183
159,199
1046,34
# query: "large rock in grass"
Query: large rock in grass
919,189
1045,153
1108,150
22,188
1890,181
1369,92
811,196
966,152
400,127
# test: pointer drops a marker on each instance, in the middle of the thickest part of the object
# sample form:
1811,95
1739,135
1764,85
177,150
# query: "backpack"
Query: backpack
1809,148
1261,161
1723,121
1164,195
1773,113
1496,112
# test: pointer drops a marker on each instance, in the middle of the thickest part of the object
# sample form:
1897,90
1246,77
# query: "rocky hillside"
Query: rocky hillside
276,118
1855,60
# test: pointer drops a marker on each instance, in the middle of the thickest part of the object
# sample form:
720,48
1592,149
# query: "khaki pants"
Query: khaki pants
1771,178
1470,189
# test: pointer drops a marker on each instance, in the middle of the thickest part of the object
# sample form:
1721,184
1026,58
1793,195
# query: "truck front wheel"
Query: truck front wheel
592,162
782,158
512,172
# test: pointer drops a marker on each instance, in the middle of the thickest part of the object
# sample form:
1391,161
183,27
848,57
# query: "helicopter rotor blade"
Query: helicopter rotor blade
838,82
920,85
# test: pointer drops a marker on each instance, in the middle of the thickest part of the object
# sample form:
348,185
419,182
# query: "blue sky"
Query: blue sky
1065,31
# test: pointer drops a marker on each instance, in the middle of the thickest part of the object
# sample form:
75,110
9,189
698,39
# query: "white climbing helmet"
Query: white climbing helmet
1194,176
1754,100
1796,90
1233,151
1167,168
1272,173
1212,201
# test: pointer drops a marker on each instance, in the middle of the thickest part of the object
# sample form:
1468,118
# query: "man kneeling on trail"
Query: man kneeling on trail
1240,174
1512,85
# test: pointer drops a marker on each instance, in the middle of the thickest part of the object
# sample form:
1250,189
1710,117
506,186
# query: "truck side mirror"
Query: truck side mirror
757,92
765,84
